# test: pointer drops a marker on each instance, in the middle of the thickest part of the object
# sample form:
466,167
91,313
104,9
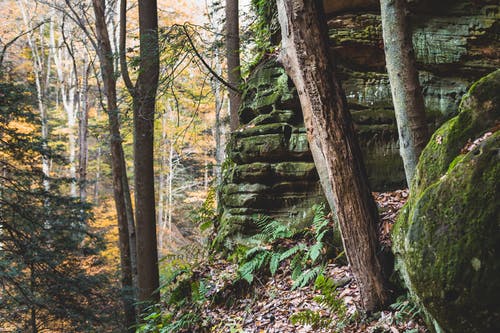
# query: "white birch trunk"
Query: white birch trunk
38,67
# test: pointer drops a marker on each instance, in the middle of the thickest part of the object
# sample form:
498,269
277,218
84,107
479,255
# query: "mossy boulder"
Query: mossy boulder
447,238
479,111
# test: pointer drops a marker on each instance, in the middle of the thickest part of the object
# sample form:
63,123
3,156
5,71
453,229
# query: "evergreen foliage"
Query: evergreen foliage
45,243
183,296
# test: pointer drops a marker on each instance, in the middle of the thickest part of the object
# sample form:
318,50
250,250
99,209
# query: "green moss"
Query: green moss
253,172
363,29
295,170
267,89
479,111
263,129
446,239
447,231
244,188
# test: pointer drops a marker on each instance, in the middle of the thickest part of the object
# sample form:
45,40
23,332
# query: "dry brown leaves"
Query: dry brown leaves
389,204
269,303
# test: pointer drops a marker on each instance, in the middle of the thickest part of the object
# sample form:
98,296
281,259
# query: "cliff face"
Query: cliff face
456,43
270,170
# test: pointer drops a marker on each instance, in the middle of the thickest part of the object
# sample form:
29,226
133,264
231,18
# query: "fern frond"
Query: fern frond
306,277
262,221
315,251
312,318
297,265
271,230
321,235
248,269
291,251
253,251
274,262
319,221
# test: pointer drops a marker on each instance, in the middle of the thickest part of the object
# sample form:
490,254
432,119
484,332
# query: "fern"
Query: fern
306,277
271,230
274,262
306,261
253,251
405,308
319,221
328,298
315,251
309,317
296,265
291,251
248,269
185,321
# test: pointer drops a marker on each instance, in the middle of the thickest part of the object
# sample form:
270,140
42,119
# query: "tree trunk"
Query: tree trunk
83,132
171,173
97,177
403,76
219,132
117,162
233,60
41,87
161,179
305,56
67,79
144,110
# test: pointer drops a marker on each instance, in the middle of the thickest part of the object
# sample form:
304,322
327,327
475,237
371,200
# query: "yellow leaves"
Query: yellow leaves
21,127
106,223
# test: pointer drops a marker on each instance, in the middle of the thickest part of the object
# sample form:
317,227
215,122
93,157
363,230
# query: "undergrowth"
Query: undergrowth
328,299
186,292
275,244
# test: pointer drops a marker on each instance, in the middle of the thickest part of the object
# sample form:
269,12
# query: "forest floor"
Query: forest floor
268,304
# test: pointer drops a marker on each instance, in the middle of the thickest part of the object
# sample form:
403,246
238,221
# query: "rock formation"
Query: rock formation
270,170
447,239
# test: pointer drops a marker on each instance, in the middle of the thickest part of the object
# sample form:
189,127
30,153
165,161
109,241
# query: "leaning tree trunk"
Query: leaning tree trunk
403,76
117,162
233,60
305,56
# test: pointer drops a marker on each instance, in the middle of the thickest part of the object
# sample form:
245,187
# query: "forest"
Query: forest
250,166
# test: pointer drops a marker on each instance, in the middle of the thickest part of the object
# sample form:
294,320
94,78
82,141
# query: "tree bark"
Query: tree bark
233,60
105,55
403,76
41,88
144,99
305,57
67,79
161,179
83,132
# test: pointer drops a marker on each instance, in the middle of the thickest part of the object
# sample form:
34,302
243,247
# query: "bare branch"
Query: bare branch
13,40
122,48
207,66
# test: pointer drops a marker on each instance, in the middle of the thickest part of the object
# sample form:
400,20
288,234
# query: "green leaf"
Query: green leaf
306,277
246,271
315,251
254,251
274,263
206,225
291,251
